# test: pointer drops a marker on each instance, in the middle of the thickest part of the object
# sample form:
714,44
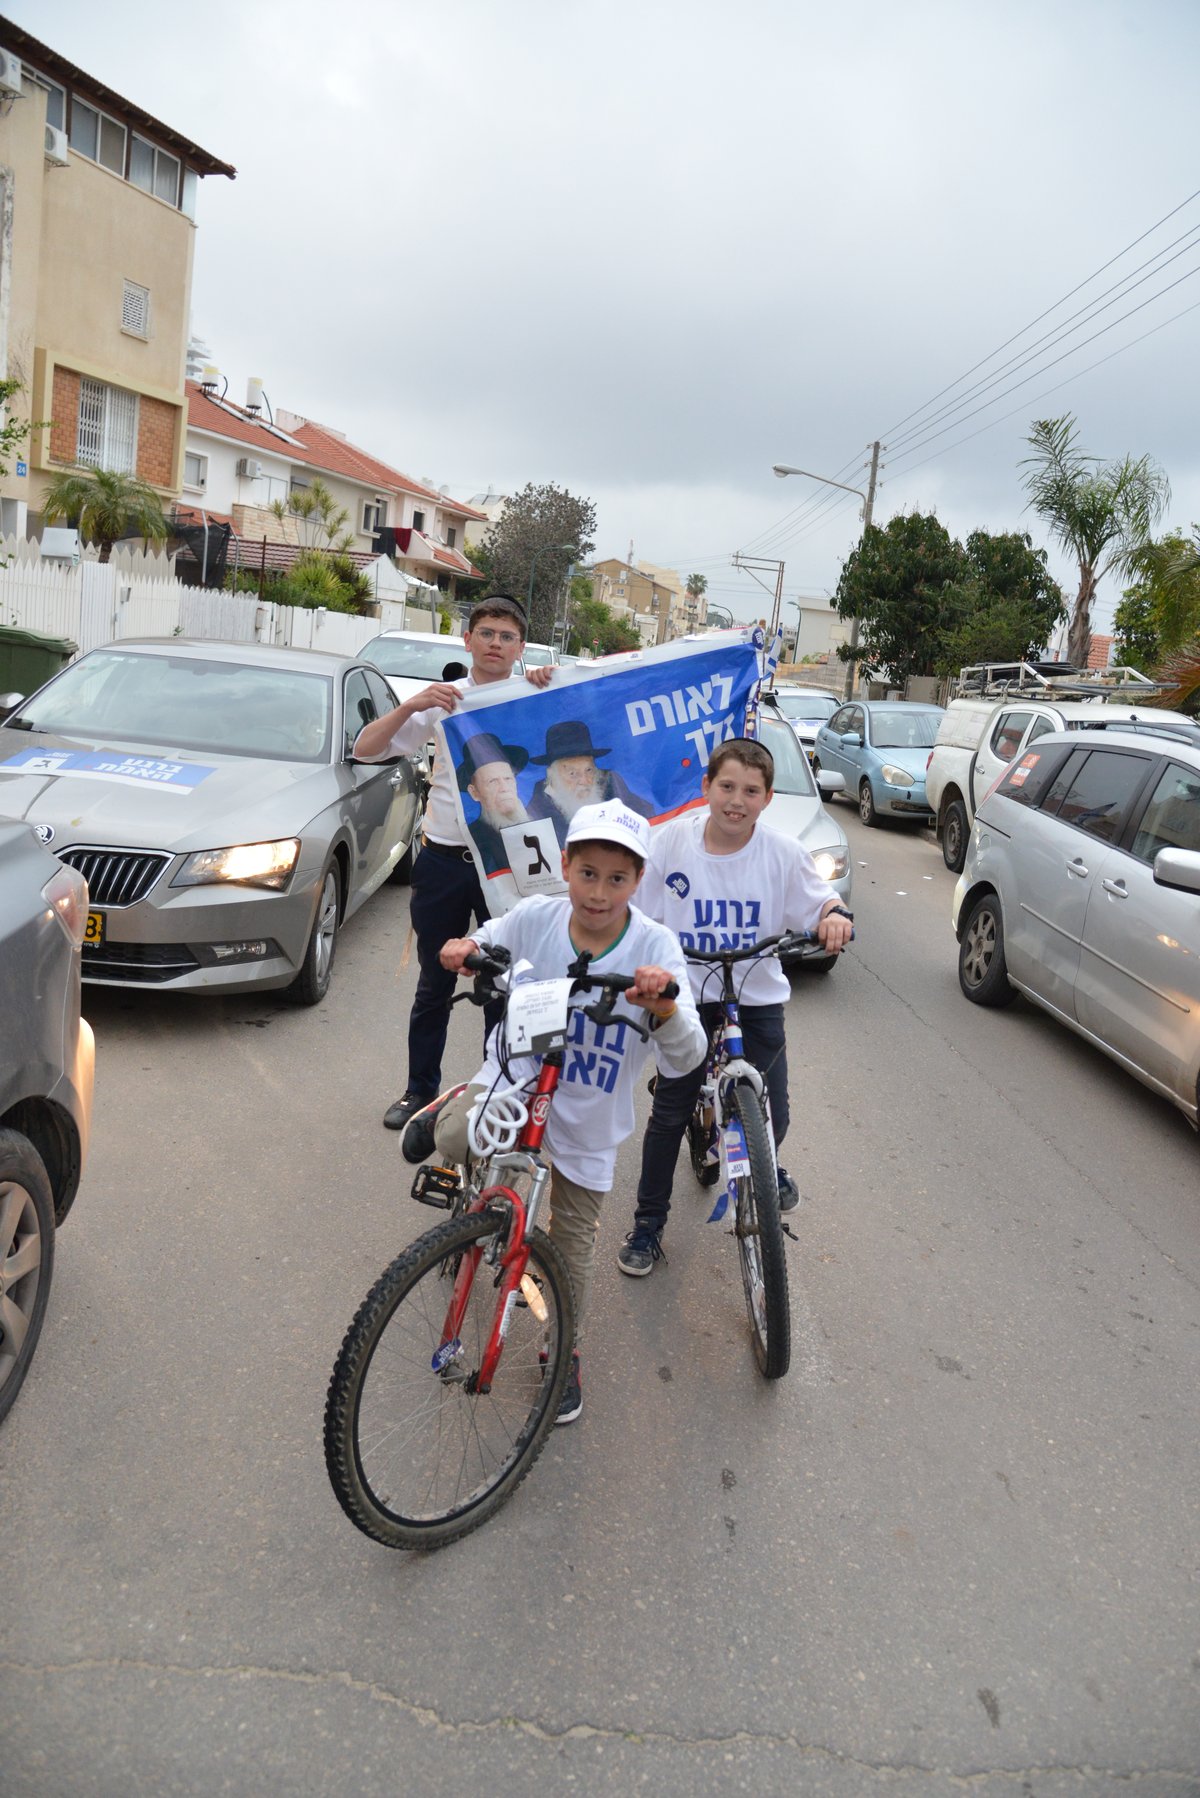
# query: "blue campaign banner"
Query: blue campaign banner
109,764
641,731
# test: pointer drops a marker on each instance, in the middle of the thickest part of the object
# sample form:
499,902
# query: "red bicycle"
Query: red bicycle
449,1379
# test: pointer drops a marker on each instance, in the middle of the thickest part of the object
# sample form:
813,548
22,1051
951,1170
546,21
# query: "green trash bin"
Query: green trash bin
28,658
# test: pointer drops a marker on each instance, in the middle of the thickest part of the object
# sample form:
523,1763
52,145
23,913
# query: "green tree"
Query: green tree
904,583
13,431
1007,606
1135,631
1101,513
593,626
320,521
480,556
697,585
528,544
105,506
1160,610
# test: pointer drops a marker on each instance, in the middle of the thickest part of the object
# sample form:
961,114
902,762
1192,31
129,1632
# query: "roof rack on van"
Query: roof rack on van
997,680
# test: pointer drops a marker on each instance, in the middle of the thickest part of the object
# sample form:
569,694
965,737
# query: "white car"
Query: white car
410,660
797,810
805,708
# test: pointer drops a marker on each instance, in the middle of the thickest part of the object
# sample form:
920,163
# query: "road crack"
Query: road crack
343,1680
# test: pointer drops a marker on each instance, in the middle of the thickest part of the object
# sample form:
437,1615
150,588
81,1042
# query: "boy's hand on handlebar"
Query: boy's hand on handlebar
834,932
453,954
650,991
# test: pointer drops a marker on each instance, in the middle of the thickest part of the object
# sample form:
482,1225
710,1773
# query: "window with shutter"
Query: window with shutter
135,310
107,433
90,439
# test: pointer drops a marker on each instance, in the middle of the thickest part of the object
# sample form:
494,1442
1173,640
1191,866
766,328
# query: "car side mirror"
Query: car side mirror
852,739
830,782
9,703
1179,868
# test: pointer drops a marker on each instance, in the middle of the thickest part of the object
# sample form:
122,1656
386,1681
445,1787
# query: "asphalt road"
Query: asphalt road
956,1549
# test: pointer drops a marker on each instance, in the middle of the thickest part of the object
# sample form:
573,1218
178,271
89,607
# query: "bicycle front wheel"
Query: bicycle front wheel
758,1228
416,1455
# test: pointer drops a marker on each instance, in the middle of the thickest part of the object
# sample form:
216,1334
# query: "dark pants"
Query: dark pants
674,1101
446,898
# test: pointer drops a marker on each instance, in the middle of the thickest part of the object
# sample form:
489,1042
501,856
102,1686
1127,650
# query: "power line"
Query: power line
982,363
1045,369
1075,376
1050,338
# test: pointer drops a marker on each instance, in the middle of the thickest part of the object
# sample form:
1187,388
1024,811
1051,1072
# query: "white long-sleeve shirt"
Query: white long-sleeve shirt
592,1112
442,822
731,901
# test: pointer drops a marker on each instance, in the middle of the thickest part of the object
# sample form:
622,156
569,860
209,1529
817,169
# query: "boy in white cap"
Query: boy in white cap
592,1114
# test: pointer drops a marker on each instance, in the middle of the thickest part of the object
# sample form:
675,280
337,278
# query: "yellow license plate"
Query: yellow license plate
94,932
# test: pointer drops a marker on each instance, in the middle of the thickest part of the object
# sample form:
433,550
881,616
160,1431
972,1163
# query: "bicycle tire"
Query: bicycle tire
415,1458
758,1228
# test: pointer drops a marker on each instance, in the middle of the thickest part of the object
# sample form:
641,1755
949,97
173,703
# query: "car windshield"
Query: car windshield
806,707
896,729
186,702
413,660
792,772
537,655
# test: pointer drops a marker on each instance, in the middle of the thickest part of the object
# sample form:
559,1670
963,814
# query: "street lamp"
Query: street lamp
782,469
544,549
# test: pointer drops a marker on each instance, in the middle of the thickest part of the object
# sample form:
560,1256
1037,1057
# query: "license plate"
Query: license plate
94,933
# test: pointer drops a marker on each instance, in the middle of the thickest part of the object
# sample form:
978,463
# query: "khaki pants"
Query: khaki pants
574,1209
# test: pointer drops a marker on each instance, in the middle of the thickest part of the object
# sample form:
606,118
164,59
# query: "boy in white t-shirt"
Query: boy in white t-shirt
592,1111
720,882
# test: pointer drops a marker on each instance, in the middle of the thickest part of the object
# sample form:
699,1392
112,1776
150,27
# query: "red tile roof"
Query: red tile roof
314,445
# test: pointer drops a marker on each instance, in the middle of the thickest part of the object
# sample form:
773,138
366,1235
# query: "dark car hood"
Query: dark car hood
152,796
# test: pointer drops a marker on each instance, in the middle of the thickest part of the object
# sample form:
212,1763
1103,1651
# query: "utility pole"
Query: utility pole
756,566
868,511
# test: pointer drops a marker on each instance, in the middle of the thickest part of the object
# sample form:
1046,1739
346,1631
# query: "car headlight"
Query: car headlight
245,864
832,864
897,777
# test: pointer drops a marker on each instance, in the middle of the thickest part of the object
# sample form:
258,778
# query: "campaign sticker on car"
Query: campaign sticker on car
107,764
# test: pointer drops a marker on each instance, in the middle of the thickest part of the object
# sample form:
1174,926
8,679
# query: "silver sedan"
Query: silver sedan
209,795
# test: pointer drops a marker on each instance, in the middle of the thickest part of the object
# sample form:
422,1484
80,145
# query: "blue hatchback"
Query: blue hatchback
881,748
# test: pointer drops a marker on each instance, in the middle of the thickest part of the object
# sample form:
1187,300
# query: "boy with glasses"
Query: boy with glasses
446,893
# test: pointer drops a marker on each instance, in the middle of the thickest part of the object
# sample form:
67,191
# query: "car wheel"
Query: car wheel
866,805
955,832
26,1257
312,982
982,969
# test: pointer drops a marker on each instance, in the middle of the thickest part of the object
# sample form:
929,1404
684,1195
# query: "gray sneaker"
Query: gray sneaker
640,1250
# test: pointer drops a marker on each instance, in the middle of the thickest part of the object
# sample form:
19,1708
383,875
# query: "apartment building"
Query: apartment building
97,236
654,601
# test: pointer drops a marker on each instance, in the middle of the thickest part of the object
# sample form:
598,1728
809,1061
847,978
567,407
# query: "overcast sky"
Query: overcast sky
646,250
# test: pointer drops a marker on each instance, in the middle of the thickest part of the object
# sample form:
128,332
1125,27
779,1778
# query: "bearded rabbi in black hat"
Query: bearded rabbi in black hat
573,777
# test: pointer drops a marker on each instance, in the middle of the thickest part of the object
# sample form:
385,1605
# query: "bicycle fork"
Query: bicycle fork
512,1284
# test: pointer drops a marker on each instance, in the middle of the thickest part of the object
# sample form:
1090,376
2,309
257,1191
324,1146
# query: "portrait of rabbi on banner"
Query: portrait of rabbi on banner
640,732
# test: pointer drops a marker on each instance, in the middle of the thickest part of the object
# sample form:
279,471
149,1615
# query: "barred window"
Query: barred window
107,436
135,310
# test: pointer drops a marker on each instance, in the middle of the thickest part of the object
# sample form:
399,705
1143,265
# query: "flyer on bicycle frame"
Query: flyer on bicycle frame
637,727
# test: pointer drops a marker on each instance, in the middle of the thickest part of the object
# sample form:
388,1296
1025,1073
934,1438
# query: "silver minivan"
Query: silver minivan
1081,890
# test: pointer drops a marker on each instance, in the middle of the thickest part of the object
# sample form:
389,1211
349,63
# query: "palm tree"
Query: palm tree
1100,513
104,505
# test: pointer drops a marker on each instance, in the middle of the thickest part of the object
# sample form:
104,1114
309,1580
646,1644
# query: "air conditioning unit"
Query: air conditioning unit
56,147
248,467
10,73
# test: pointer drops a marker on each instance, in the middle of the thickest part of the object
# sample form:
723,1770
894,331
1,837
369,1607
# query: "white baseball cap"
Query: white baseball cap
612,822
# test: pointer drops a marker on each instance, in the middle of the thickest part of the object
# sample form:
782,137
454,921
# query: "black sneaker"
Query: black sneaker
789,1192
640,1250
571,1402
397,1115
417,1143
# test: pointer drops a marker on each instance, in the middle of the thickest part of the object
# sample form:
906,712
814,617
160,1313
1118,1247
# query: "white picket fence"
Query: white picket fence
136,594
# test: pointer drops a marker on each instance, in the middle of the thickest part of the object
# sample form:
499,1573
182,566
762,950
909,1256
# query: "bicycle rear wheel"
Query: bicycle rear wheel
415,1455
759,1231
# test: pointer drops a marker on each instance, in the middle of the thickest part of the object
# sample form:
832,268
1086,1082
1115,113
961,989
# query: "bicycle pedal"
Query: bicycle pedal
436,1186
787,1229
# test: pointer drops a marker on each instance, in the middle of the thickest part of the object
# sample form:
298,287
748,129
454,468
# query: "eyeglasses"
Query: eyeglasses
487,635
